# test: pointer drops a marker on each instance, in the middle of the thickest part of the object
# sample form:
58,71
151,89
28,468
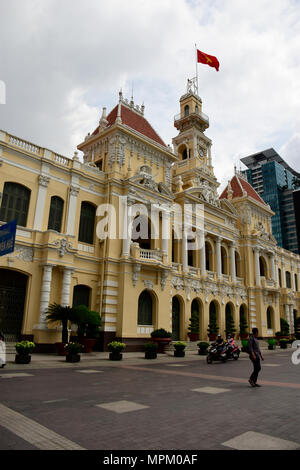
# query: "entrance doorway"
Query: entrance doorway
13,287
175,319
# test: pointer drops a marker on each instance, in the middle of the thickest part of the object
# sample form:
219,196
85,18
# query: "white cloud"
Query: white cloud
63,61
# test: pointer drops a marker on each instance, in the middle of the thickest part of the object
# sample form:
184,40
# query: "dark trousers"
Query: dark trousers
256,368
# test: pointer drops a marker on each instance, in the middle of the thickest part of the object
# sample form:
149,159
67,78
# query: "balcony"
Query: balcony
150,254
203,116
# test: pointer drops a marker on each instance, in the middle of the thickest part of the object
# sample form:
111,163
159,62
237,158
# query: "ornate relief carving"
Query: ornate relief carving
44,180
148,284
24,253
63,246
74,191
136,268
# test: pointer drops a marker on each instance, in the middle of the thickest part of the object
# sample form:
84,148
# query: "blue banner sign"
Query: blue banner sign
7,237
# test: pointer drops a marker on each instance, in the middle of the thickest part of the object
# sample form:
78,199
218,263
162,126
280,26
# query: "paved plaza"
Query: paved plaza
137,404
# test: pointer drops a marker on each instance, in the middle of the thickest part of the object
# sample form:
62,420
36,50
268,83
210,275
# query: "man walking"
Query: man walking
255,356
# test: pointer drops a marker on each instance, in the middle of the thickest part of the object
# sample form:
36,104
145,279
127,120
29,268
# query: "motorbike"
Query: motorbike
232,351
216,353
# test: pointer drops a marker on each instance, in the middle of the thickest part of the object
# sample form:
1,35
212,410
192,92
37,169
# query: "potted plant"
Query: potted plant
194,326
162,338
283,343
297,328
271,343
213,328
24,349
179,349
88,323
150,350
202,348
73,351
244,345
230,329
116,348
62,315
243,327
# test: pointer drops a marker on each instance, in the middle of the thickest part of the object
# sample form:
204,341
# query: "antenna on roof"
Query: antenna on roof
132,102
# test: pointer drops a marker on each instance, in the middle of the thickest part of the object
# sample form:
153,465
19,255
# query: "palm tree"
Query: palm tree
58,314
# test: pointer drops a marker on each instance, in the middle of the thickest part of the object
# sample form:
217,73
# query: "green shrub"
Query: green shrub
284,327
271,341
87,321
73,348
203,345
213,327
194,322
161,333
243,325
230,328
151,346
180,345
24,348
116,346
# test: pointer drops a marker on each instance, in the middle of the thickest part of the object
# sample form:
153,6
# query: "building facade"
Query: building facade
227,264
275,182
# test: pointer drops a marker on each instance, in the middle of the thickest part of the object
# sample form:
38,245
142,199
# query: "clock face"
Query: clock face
200,151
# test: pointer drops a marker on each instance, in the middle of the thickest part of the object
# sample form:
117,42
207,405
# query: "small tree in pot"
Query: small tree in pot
194,326
271,344
243,327
283,343
88,323
230,328
162,338
62,315
179,349
24,349
213,328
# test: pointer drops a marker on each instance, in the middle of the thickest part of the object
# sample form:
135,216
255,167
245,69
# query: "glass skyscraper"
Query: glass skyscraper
275,182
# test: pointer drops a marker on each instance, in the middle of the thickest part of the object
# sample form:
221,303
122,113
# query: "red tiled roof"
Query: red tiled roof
238,185
135,121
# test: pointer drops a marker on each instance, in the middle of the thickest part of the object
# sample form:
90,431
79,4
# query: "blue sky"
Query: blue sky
63,61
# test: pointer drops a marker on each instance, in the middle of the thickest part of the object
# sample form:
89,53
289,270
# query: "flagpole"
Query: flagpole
196,66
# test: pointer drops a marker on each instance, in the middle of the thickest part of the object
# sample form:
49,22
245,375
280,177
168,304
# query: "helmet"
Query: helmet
219,336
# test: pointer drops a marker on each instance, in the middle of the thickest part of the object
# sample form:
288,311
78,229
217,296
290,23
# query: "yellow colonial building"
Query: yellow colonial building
228,264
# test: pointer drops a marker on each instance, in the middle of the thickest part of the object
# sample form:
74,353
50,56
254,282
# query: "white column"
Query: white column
287,314
202,255
276,273
218,257
232,263
292,327
272,260
257,268
184,251
283,275
66,285
293,279
165,233
45,294
127,226
72,210
40,203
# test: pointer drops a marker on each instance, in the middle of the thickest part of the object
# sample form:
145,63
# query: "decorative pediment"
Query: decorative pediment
225,204
145,178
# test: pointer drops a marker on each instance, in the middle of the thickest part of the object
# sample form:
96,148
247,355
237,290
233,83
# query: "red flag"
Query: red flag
208,59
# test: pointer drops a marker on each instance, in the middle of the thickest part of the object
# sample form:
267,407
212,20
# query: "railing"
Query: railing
23,144
182,163
62,160
210,274
199,113
193,270
175,266
150,254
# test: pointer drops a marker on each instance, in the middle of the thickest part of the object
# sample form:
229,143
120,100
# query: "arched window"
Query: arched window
196,109
279,277
288,279
87,223
141,232
81,295
269,318
184,154
224,260
208,257
55,213
186,110
262,267
145,308
237,264
15,203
